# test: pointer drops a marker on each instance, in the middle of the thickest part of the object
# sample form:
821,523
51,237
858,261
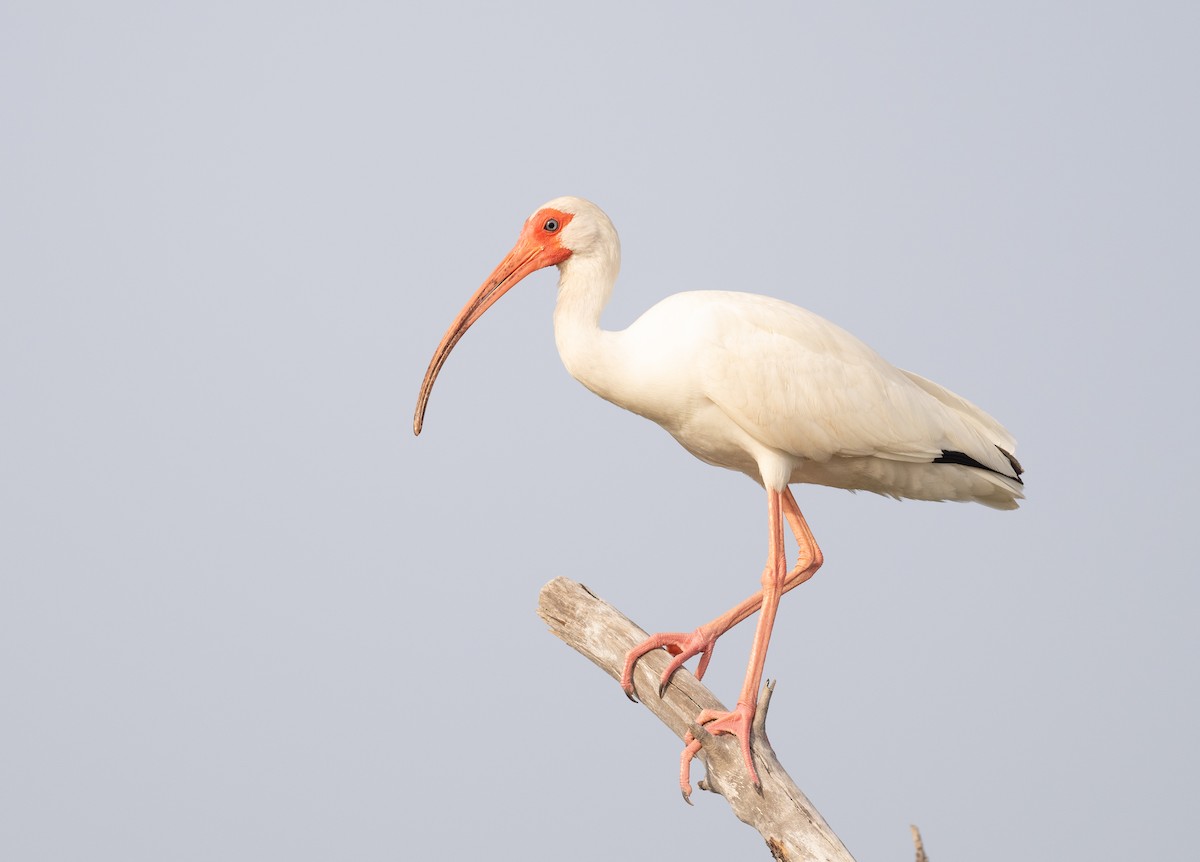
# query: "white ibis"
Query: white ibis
756,385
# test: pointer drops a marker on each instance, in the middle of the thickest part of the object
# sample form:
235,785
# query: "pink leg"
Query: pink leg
776,581
685,645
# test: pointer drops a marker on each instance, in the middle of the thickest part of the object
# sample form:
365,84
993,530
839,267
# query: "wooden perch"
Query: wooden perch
916,834
787,821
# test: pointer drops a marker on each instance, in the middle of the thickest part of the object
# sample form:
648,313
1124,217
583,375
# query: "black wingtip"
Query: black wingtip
950,456
1012,459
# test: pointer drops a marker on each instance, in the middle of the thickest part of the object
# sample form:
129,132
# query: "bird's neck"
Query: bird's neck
590,354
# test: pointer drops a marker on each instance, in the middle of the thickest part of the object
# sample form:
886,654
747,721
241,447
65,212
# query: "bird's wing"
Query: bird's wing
804,386
997,432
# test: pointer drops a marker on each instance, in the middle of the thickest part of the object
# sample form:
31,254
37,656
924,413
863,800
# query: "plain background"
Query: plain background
246,615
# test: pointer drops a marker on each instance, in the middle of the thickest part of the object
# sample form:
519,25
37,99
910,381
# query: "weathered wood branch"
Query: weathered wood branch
916,834
781,813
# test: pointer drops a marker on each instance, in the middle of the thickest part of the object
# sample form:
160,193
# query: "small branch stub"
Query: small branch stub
916,834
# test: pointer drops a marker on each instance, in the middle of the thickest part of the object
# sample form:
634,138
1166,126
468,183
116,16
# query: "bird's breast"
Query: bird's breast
710,435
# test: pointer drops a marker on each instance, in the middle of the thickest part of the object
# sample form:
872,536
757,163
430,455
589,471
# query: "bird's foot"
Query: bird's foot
715,722
679,644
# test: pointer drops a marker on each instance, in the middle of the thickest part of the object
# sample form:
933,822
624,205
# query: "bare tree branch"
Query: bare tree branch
781,813
916,833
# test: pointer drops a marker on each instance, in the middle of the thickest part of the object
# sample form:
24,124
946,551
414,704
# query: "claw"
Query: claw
632,697
665,679
682,646
737,723
691,747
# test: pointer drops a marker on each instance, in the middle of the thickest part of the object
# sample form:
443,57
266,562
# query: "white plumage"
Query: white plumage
757,385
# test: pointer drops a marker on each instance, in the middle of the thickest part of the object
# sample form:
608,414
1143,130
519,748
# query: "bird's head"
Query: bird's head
587,234
566,231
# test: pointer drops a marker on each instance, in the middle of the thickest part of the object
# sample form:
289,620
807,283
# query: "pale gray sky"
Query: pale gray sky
245,615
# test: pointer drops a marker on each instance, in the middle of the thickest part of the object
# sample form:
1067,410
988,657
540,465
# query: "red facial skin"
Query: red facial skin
536,249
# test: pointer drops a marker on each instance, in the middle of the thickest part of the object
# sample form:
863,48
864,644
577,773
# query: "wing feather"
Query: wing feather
802,385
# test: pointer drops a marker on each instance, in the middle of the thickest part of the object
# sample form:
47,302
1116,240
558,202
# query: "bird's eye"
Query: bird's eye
551,225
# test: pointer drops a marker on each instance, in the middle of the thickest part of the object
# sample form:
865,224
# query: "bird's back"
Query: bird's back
797,385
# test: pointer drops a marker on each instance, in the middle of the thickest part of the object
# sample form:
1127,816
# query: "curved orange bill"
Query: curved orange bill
526,257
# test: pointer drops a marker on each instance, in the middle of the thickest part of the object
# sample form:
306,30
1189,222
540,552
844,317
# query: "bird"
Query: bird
759,386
